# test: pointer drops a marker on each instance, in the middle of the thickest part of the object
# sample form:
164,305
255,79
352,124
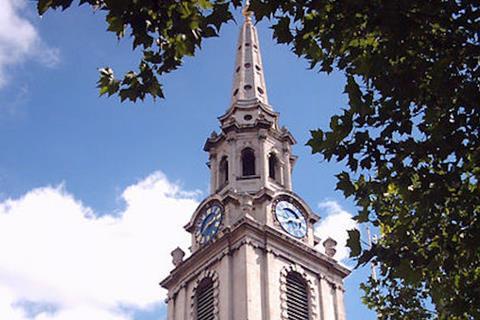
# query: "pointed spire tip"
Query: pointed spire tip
248,78
246,12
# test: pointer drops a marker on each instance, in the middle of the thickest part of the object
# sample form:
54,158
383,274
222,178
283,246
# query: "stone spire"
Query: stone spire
248,80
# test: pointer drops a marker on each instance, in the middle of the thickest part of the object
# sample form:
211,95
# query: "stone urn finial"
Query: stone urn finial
330,245
177,256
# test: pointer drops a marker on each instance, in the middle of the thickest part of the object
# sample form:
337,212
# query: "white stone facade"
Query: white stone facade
250,262
250,254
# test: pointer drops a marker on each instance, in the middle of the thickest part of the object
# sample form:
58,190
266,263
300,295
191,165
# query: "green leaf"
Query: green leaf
316,140
116,25
345,184
281,30
43,6
353,243
205,4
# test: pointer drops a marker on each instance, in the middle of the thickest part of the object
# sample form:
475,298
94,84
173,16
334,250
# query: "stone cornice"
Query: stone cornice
248,105
287,135
233,127
262,237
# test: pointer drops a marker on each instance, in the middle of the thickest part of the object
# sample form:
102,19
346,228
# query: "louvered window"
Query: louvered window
204,300
297,297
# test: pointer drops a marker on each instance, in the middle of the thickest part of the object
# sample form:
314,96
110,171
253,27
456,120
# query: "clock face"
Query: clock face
291,218
209,223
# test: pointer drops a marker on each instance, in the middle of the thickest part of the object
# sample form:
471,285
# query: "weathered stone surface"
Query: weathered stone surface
251,254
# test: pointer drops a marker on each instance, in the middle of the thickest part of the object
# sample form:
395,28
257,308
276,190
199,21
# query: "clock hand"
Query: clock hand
292,213
209,223
290,219
296,221
212,221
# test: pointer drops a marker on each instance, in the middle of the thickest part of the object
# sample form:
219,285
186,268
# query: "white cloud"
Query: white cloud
57,252
335,225
19,40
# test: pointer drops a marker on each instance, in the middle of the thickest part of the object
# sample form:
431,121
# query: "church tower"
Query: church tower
253,253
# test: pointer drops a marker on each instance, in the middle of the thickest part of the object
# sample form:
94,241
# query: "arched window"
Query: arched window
223,169
273,166
297,297
204,300
248,162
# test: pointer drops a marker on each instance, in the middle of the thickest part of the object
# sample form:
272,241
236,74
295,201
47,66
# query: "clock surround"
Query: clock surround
209,222
291,216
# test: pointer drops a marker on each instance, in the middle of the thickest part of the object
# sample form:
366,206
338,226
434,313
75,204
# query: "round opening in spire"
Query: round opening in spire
238,69
235,92
239,47
260,90
255,46
247,65
247,87
257,67
247,44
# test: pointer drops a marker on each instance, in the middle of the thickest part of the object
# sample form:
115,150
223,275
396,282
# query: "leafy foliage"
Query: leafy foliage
410,134
166,31
410,137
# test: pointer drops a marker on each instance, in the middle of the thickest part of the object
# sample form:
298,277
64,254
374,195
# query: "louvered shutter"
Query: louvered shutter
297,297
205,303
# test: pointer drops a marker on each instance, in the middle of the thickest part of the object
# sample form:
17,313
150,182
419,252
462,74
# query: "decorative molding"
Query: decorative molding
231,243
262,134
312,303
203,275
247,144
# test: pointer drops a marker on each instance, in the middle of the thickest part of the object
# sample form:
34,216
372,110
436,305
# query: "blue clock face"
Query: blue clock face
291,218
209,223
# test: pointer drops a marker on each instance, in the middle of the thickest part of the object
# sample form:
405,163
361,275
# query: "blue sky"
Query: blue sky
70,158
